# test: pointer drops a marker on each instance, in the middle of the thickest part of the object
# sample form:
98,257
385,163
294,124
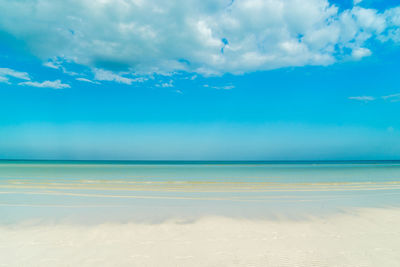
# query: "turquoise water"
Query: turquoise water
121,189
204,171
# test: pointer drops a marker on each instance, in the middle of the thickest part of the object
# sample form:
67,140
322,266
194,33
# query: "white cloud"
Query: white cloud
224,87
206,37
104,75
167,84
392,98
3,79
47,84
51,65
57,64
140,79
360,52
363,98
6,73
86,80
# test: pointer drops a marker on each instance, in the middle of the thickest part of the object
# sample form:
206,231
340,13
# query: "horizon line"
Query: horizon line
207,161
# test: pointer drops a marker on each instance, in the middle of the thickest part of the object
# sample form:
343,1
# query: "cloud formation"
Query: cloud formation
362,98
57,84
86,80
224,87
105,75
6,73
392,98
206,37
166,84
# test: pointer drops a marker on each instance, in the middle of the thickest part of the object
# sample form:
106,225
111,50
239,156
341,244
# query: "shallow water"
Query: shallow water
120,190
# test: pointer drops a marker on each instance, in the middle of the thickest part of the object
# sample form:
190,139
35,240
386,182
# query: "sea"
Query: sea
109,191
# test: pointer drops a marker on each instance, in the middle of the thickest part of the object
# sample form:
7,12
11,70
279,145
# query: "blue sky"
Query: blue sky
251,80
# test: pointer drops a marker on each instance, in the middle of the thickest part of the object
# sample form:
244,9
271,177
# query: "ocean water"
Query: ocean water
93,191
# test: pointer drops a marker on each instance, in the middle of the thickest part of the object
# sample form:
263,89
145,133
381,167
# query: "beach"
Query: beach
257,133
199,214
368,237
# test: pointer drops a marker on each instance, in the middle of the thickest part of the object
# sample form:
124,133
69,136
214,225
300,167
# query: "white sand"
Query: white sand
369,237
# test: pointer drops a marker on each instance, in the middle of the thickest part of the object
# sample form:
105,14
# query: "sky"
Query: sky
200,80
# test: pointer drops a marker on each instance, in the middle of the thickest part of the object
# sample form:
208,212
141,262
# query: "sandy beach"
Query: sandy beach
183,133
362,237
80,214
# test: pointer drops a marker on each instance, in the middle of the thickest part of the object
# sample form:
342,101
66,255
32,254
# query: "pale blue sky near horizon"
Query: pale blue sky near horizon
218,80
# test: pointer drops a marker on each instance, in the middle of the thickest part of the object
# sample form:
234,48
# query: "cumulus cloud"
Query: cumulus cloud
6,73
105,75
363,98
361,52
57,84
208,37
58,65
167,84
